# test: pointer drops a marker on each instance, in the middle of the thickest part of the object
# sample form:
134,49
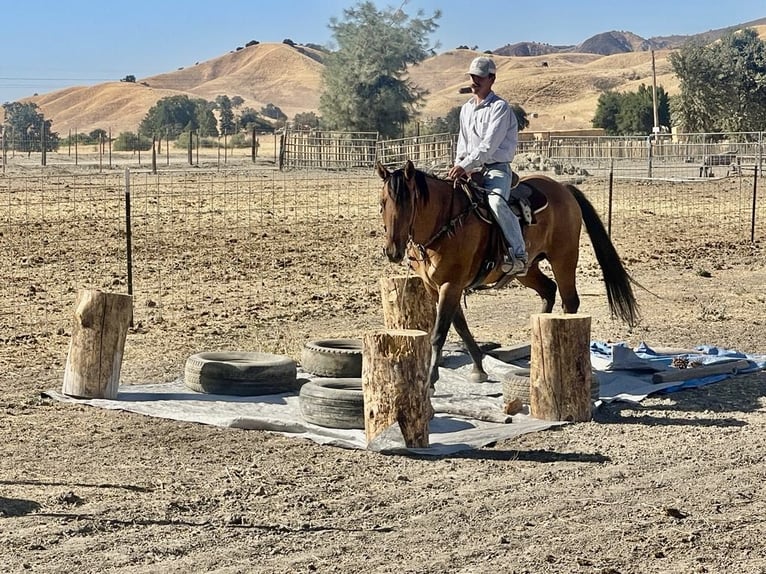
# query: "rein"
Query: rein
452,224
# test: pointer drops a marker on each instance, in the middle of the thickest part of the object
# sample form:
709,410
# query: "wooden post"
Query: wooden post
395,384
100,326
560,369
407,304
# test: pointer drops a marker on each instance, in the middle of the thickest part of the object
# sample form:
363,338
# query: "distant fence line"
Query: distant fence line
317,149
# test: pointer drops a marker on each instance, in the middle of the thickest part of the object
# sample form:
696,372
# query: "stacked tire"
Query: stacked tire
333,398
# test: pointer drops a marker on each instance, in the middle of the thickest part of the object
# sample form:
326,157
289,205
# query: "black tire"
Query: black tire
333,403
240,373
340,358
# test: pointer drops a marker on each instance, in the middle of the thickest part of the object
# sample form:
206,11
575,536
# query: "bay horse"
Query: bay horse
453,245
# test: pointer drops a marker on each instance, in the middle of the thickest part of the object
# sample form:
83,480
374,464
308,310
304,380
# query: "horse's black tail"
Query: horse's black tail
619,284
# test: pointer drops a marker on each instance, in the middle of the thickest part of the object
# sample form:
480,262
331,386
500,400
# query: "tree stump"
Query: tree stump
101,322
395,384
560,369
407,304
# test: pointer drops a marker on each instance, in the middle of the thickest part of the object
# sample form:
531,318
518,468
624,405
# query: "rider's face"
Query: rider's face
481,86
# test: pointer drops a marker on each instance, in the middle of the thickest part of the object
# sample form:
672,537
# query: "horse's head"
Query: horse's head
397,208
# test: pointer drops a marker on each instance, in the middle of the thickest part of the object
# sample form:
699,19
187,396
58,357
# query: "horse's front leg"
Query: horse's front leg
478,374
449,303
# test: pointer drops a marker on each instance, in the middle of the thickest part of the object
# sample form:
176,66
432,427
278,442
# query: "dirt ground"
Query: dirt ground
674,485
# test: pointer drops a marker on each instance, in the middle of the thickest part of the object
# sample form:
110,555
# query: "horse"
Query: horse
454,245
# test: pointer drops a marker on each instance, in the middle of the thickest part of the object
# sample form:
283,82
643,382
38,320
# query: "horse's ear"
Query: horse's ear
382,171
409,169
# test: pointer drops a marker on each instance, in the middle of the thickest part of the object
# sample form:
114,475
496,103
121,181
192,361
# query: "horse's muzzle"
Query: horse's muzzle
394,254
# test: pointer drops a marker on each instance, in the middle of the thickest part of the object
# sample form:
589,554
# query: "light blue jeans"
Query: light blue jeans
497,179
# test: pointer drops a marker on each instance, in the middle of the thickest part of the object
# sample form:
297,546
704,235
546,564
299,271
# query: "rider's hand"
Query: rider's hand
456,172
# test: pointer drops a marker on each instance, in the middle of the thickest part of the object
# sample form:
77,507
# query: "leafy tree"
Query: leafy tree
26,124
130,78
607,109
452,120
237,101
722,85
206,124
97,135
521,116
128,141
631,113
306,120
173,115
249,119
365,83
273,112
226,115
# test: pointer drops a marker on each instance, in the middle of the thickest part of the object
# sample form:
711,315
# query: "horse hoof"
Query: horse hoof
478,377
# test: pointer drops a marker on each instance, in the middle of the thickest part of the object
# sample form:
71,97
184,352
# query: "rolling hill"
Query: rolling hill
557,86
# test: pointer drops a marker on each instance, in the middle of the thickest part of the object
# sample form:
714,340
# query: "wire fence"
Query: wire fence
257,250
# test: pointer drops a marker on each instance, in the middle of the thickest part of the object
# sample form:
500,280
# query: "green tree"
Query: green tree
306,120
206,124
365,82
249,119
97,135
25,124
607,110
225,115
273,112
171,116
521,116
631,113
722,85
128,141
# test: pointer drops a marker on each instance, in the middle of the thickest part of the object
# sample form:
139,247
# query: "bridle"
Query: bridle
450,227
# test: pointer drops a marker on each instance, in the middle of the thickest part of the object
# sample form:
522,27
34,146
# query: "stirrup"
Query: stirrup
514,266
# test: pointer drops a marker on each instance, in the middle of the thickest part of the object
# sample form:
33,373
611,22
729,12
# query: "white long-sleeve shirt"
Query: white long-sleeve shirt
489,133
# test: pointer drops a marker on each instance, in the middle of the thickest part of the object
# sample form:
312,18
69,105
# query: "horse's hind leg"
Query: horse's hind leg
542,284
564,270
478,375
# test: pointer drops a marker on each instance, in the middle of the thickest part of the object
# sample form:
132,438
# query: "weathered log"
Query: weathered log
560,369
100,326
720,368
395,384
407,304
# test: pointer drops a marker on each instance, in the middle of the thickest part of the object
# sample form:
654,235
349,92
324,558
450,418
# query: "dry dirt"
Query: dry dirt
674,485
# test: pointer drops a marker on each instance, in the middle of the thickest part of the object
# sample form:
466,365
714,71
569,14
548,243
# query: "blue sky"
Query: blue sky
52,44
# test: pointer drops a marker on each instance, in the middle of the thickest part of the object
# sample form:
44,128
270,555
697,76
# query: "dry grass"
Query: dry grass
563,94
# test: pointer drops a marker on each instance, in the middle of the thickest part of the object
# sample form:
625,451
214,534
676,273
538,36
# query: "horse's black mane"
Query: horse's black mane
401,193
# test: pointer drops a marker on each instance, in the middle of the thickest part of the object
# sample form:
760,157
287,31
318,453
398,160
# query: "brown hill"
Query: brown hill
558,90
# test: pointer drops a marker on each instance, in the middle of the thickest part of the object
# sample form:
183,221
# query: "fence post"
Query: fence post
128,236
110,148
189,148
752,216
154,154
44,158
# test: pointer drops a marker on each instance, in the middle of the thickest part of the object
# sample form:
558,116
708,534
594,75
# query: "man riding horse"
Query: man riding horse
486,145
